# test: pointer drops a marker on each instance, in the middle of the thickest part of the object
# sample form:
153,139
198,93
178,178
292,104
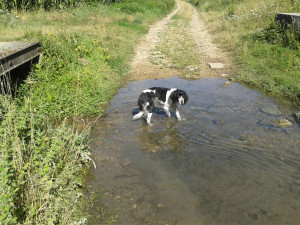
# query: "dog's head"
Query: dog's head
180,96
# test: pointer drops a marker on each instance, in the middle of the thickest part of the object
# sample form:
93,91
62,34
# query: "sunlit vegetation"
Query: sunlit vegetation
267,53
86,50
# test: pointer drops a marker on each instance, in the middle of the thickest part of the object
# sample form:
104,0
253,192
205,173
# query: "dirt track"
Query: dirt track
159,54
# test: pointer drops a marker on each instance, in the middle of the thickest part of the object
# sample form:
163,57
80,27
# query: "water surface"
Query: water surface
228,162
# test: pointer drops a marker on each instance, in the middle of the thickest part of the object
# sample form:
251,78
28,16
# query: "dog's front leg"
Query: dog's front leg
178,114
167,110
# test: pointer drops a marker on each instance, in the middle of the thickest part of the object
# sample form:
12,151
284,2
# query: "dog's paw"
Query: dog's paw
168,114
181,119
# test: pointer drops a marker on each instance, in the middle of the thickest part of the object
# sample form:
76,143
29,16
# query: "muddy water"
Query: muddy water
228,162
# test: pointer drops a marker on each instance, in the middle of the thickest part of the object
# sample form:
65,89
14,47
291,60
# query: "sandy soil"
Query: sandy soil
142,66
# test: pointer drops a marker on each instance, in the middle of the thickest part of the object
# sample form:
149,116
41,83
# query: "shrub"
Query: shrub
277,33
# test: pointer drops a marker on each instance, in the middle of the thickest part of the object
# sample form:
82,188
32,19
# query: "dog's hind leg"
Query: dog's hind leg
149,111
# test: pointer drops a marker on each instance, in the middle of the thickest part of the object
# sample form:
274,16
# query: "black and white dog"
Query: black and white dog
165,97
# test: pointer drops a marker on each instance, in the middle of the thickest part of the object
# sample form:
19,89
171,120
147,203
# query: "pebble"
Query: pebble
285,123
227,83
216,65
126,162
191,68
218,122
160,205
127,194
276,123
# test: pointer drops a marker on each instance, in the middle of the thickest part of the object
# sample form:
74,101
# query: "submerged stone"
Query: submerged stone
285,123
271,110
227,83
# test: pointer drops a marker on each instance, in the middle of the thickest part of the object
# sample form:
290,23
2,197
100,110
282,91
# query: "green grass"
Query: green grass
86,55
267,55
180,49
273,69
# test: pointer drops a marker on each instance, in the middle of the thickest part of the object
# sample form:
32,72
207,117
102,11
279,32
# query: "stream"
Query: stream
228,162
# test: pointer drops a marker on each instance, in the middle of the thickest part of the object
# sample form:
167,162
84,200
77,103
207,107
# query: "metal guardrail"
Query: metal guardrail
293,19
18,57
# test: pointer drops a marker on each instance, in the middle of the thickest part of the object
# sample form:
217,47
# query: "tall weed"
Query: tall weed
41,167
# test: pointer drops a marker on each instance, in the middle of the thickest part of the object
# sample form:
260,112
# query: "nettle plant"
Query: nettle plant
39,164
282,34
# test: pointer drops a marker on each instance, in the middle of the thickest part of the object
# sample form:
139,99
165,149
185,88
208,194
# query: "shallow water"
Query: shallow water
228,162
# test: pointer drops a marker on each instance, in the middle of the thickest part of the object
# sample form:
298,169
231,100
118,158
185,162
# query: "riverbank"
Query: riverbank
266,55
86,52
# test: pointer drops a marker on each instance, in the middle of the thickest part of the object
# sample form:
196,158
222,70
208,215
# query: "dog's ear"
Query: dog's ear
186,98
175,95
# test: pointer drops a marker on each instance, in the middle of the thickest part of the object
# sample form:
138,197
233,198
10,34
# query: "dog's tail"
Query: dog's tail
138,116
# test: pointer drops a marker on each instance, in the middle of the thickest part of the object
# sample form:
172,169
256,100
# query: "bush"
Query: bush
277,33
